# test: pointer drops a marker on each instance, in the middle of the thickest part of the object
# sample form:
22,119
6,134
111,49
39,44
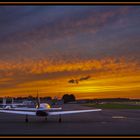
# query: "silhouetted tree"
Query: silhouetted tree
68,98
48,98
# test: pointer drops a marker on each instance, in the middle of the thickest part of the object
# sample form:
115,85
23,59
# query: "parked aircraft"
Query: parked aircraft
43,110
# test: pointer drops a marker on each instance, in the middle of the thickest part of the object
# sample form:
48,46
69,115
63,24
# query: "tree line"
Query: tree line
66,98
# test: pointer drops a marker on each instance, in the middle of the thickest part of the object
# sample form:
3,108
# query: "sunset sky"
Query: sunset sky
44,47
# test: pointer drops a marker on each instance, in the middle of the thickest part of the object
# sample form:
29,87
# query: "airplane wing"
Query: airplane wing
54,109
72,112
19,112
24,109
35,109
12,104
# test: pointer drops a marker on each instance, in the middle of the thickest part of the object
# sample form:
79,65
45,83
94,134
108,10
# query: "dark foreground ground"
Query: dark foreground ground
104,123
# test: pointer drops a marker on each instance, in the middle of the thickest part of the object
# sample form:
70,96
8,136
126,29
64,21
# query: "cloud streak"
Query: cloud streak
44,69
73,81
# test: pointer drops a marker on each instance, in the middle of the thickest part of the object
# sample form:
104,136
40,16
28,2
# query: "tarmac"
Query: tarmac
107,122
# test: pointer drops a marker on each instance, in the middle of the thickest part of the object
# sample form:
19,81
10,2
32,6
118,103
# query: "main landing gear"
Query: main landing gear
46,118
26,119
60,119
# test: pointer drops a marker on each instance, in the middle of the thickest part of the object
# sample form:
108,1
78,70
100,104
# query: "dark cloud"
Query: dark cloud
76,81
73,81
84,78
89,21
32,31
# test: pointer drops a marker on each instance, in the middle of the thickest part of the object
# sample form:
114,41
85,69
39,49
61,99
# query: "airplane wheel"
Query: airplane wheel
60,120
26,120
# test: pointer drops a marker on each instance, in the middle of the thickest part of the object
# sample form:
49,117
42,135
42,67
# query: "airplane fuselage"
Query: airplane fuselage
41,113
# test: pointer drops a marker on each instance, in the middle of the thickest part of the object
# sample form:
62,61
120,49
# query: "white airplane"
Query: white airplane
43,110
11,105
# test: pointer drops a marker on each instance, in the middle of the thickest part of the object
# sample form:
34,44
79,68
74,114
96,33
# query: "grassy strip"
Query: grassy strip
112,106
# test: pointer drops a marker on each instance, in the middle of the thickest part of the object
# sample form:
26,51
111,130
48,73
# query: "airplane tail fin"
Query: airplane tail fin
12,101
4,101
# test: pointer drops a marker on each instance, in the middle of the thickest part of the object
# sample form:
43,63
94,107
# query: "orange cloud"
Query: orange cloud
48,66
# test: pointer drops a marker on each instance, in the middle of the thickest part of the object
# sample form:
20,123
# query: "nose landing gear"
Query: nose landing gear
46,118
60,119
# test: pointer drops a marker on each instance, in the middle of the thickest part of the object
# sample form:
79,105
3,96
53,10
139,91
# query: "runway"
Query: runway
103,123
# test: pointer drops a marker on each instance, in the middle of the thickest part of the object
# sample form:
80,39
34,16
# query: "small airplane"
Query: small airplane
43,110
11,105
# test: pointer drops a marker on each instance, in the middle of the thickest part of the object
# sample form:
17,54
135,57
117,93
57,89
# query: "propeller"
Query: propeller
38,100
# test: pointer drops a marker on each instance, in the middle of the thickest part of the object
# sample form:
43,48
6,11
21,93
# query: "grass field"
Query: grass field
113,106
